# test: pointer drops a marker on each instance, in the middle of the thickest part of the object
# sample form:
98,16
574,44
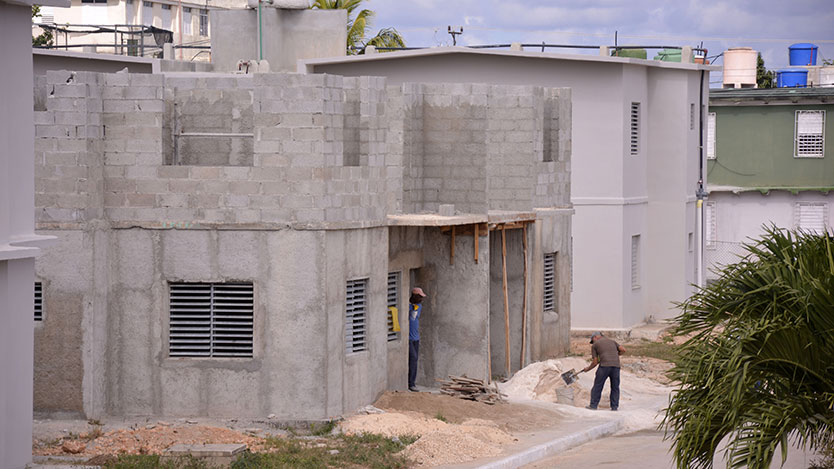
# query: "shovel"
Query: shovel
571,376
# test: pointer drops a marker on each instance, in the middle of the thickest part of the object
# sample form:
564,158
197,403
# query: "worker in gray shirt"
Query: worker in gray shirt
605,353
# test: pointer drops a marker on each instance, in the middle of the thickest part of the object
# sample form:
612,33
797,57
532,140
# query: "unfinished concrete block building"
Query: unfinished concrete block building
243,245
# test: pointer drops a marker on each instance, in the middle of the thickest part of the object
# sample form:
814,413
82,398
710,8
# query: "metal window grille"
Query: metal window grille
211,320
691,116
710,225
811,216
809,134
635,261
355,317
204,22
635,128
711,136
38,301
393,300
550,282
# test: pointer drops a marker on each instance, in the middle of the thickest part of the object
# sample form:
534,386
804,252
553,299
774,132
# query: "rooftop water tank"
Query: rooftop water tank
740,67
792,78
802,54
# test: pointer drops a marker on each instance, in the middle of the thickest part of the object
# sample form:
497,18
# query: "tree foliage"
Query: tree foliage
758,370
359,24
44,38
764,77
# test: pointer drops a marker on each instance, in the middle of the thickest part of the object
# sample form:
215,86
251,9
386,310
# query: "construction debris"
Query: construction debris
471,389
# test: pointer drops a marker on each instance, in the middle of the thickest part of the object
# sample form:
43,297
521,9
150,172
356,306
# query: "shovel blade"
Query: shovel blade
569,376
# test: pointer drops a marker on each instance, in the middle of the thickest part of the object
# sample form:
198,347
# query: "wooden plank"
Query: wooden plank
506,300
476,243
524,298
452,255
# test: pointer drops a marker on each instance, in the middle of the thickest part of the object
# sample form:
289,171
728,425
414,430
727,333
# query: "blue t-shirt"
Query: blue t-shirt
414,321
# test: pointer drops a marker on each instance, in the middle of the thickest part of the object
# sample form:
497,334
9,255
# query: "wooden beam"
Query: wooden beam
524,298
452,251
506,301
476,243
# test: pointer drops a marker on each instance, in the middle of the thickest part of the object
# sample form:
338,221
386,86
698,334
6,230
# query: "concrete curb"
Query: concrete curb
553,447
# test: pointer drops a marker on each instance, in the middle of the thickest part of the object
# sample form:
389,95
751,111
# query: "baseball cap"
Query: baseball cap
418,291
594,335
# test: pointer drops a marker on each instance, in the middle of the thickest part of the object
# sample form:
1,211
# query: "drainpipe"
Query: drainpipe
260,34
700,193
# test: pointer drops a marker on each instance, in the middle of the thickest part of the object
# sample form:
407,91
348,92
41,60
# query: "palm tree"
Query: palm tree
758,370
358,25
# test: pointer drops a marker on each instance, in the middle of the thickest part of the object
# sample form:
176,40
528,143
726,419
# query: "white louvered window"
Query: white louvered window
635,262
809,140
38,301
356,305
691,116
635,128
393,301
710,225
211,320
550,282
811,216
711,136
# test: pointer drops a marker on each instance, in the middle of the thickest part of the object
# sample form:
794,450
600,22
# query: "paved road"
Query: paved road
643,450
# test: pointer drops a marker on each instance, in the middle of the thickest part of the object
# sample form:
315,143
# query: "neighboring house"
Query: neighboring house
634,167
240,245
18,243
770,161
187,20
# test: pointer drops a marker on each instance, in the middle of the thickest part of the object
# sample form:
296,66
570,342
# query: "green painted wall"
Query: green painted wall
754,148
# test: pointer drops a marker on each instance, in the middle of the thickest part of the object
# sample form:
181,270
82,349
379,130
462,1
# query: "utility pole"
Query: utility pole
454,33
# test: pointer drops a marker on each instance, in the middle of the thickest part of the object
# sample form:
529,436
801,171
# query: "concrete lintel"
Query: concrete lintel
433,219
506,216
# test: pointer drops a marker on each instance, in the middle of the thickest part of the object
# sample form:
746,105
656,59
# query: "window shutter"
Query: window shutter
393,300
711,136
550,282
211,320
38,301
355,308
810,134
809,216
635,128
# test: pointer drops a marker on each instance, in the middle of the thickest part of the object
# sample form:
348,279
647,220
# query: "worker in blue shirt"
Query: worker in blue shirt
415,308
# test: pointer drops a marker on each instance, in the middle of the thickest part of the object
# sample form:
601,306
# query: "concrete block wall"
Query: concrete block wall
552,174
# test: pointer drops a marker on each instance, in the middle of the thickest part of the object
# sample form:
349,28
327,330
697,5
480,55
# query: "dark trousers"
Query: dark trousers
603,373
413,352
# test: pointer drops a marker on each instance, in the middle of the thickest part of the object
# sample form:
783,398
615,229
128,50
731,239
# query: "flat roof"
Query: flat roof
771,94
45,3
307,65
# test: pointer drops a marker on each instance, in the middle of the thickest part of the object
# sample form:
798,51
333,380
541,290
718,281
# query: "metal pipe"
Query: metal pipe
260,34
700,193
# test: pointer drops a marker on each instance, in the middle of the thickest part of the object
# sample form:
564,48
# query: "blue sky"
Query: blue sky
768,26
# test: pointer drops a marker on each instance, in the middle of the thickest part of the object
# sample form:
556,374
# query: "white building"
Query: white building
18,243
635,165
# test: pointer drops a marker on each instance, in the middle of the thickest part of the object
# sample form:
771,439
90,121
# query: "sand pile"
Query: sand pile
439,442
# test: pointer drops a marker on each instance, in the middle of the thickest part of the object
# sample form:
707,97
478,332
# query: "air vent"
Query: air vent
635,128
550,282
393,300
211,320
355,315
38,301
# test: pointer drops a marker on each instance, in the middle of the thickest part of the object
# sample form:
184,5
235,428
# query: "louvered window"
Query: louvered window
393,301
809,216
635,261
635,128
211,320
710,225
809,134
550,282
711,136
691,116
356,302
38,301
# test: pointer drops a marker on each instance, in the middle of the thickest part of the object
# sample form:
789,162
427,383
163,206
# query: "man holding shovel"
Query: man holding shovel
605,353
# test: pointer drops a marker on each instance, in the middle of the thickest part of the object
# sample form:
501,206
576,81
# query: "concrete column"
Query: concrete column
168,51
686,54
604,51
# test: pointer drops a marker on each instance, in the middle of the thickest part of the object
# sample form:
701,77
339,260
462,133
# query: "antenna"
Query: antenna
454,33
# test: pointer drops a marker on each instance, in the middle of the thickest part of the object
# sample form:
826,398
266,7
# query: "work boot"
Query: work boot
591,408
413,389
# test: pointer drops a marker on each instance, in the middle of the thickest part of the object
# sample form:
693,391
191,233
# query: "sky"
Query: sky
768,26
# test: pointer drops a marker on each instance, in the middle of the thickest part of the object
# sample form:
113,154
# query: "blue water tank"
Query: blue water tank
792,78
803,54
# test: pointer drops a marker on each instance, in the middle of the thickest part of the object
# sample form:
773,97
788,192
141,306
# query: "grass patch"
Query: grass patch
665,350
147,461
440,417
367,450
322,429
